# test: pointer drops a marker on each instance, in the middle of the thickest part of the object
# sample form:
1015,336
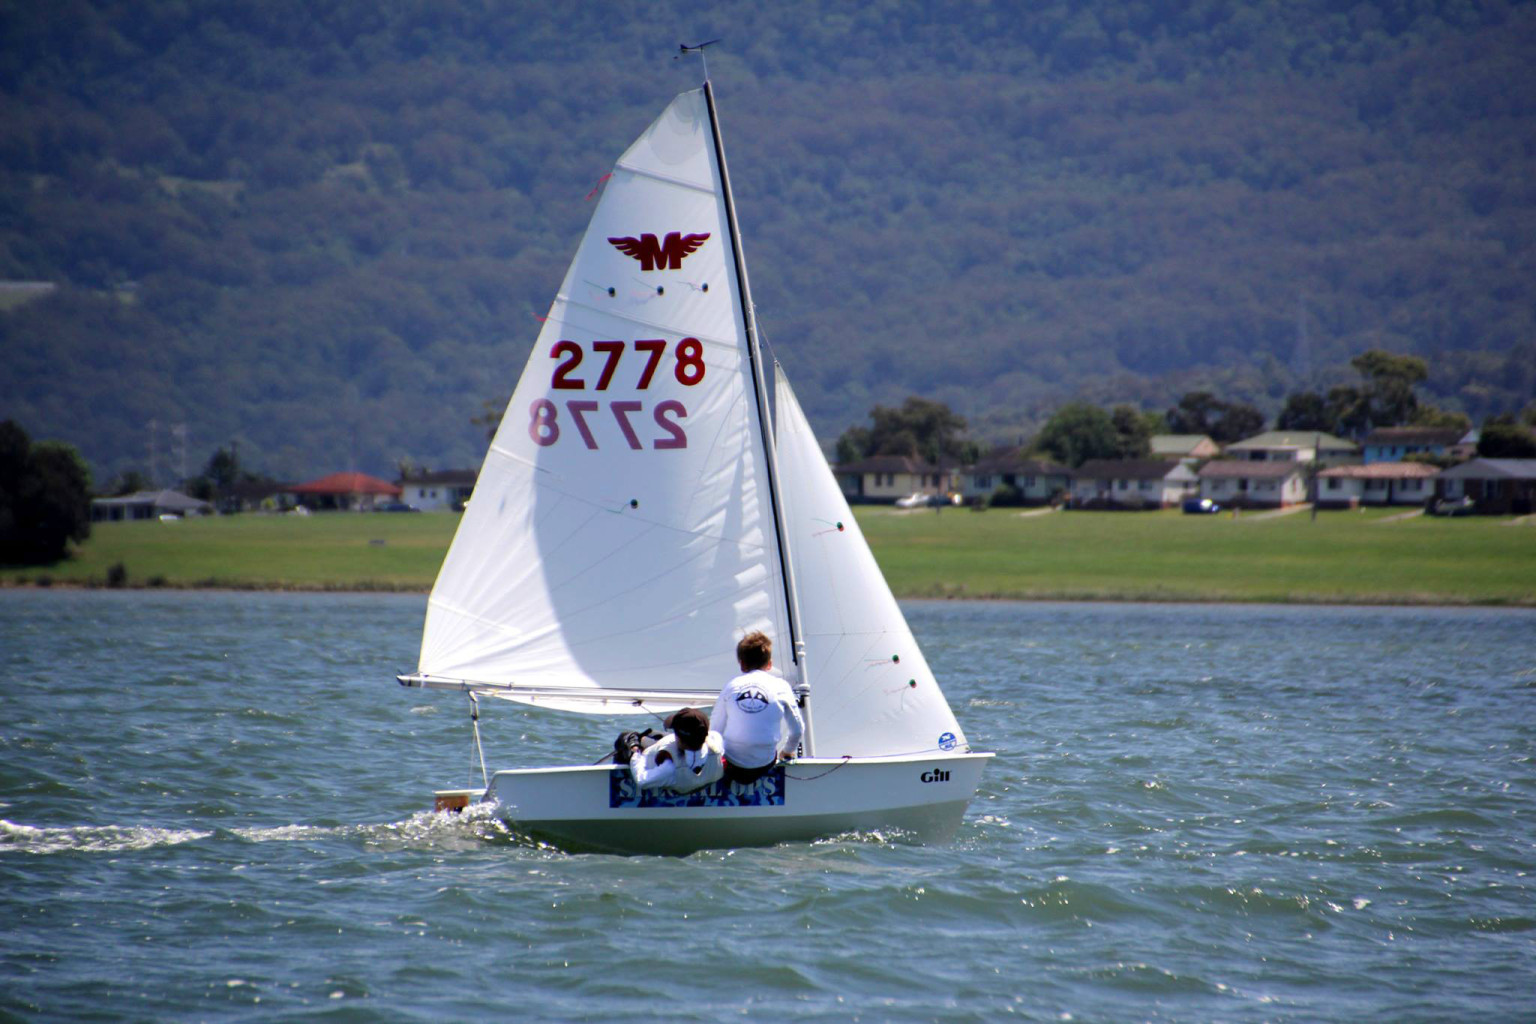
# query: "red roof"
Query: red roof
347,483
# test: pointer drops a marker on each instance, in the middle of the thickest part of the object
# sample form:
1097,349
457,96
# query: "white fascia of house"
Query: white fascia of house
1270,483
1133,482
432,492
882,478
1378,483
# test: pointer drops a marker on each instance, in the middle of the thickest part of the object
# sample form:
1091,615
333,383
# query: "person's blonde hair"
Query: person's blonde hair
754,651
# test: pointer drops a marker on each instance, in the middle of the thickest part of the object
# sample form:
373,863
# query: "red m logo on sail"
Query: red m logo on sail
667,254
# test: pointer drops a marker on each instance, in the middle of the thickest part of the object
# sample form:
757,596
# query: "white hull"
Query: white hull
923,797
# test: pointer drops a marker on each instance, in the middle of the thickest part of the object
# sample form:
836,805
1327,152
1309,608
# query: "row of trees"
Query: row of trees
1080,430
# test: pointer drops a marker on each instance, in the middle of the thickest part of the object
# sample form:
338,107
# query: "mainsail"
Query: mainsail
872,692
620,538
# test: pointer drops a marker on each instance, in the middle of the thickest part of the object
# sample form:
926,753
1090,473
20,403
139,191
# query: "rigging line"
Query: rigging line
759,377
822,775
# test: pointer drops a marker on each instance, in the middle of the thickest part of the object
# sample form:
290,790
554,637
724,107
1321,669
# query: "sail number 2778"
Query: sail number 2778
688,368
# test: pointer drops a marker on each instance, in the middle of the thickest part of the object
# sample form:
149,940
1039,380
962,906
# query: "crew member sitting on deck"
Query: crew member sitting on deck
687,758
756,714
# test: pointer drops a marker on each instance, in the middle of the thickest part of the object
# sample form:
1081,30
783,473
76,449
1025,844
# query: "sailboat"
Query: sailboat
642,506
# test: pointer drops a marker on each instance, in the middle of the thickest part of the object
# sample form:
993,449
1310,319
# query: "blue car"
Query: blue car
1201,507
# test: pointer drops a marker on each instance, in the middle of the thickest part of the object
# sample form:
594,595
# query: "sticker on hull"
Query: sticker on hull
767,791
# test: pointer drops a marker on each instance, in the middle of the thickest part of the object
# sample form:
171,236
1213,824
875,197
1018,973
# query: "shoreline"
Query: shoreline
956,595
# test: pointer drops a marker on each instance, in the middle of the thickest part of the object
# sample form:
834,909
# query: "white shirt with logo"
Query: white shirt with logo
756,716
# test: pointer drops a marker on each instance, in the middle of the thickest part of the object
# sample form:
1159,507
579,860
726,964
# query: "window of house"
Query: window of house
983,481
1375,485
1146,485
1029,481
1334,483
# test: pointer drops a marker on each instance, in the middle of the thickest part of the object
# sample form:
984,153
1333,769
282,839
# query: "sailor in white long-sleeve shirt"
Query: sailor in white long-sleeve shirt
756,714
689,757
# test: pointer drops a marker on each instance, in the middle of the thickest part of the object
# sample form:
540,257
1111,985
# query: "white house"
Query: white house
1132,483
432,491
1294,446
1378,483
1036,481
1244,483
884,478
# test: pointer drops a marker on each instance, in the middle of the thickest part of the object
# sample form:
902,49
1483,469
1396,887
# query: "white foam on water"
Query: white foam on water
15,838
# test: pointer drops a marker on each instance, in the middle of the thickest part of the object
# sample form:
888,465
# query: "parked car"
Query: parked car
922,500
1200,507
395,506
1462,506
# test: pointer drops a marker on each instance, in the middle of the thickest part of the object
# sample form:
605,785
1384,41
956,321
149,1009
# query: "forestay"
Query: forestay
872,692
620,537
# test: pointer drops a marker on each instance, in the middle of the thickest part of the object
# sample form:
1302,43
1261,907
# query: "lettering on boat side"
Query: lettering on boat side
936,775
667,254
767,791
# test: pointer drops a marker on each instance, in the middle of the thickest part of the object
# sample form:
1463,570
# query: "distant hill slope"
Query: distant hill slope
325,230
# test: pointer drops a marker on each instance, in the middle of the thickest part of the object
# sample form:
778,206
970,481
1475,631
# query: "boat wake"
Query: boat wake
473,827
16,838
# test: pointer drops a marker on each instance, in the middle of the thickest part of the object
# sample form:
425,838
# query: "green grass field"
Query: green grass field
1345,557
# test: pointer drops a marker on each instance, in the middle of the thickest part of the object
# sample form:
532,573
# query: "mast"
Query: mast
755,358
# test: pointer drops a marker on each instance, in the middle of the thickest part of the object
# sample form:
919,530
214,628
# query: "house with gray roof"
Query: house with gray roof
1497,486
1377,483
1037,481
146,505
1132,483
884,478
1250,483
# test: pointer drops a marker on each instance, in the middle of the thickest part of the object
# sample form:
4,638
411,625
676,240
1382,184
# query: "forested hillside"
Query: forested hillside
324,230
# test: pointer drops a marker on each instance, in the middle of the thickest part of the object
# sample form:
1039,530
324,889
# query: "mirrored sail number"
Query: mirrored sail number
544,421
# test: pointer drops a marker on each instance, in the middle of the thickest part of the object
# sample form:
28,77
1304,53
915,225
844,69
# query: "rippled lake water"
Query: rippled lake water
212,806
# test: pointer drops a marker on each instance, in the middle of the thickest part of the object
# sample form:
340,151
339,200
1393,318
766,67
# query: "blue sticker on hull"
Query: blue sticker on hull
767,791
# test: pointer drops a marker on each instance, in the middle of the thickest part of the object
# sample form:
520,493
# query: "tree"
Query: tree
45,498
1390,382
1306,410
223,470
1133,431
1077,432
1237,421
491,411
1196,413
920,427
1351,410
129,481
1503,438
1433,416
